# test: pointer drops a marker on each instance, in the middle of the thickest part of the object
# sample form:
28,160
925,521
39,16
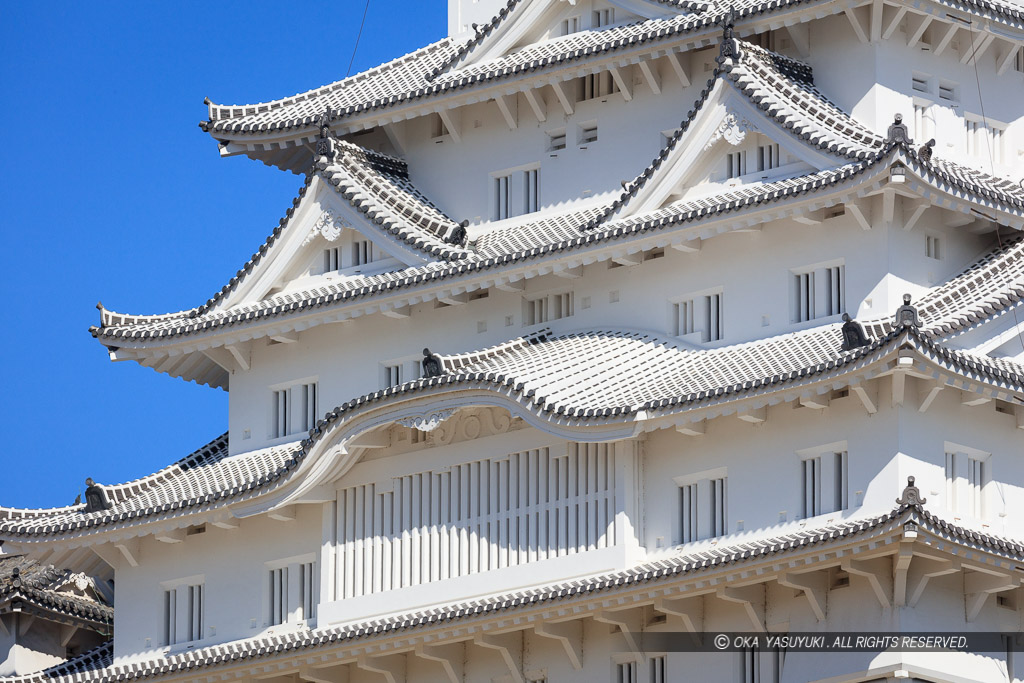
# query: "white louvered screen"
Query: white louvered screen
307,590
812,487
475,517
688,513
170,616
195,612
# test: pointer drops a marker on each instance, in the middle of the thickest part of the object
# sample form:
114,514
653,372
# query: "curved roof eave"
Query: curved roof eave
994,377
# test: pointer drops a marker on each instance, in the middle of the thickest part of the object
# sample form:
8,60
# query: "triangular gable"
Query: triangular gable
522,23
760,118
359,214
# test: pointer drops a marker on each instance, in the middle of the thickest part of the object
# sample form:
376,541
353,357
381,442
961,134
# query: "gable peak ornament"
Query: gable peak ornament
911,495
898,131
329,224
733,129
906,315
324,143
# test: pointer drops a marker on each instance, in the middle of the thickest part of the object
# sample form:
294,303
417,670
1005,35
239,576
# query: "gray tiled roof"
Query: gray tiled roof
36,588
379,186
554,235
419,74
204,478
594,377
688,562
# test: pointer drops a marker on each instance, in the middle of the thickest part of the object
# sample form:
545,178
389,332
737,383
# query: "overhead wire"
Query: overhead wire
359,35
989,142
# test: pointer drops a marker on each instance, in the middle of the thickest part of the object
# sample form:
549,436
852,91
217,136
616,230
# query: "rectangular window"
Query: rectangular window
819,293
332,260
750,665
684,318
947,92
625,672
951,476
282,425
736,164
933,248
922,121
804,296
570,25
919,83
183,614
659,669
362,252
603,17
713,317
688,513
588,133
501,197
767,157
310,406
1018,62
812,487
998,136
841,480
278,596
593,86
195,612
291,593
170,616
531,190
307,590
975,486
702,315
718,507
556,140
834,299
551,307
392,375
974,131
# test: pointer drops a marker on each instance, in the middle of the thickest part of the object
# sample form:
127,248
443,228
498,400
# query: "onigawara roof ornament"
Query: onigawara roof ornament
906,315
95,497
898,131
925,152
730,48
431,364
324,145
854,335
458,235
911,495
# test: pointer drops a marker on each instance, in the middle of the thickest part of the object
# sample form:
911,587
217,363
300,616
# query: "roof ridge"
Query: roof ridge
330,87
909,509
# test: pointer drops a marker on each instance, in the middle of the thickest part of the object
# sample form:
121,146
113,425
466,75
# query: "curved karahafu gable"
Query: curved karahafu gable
597,396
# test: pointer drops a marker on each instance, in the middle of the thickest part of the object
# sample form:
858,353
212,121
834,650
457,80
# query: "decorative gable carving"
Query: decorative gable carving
469,424
330,225
733,129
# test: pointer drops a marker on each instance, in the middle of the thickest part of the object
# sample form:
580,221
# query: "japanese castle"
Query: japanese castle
593,321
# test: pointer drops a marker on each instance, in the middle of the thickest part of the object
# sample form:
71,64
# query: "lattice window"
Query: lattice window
294,409
531,190
933,247
362,252
659,669
736,164
588,133
475,517
603,17
291,592
549,307
702,314
626,672
819,293
184,607
332,259
570,25
767,157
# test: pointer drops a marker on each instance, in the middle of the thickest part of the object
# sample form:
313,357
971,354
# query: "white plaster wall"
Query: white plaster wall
231,565
753,269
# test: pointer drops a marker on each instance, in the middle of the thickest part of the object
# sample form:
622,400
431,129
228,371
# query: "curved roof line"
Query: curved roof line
232,479
651,573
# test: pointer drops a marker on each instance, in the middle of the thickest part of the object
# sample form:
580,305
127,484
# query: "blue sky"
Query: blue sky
111,192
